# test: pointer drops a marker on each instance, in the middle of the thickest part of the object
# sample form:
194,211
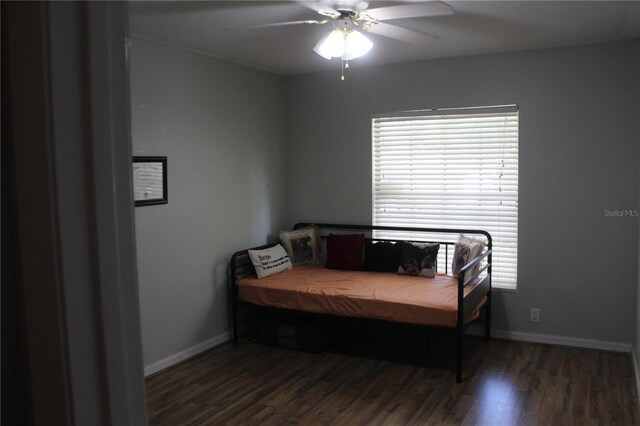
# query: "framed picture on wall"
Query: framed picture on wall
149,181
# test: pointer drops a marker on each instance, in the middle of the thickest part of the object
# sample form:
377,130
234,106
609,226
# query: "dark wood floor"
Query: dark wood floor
505,383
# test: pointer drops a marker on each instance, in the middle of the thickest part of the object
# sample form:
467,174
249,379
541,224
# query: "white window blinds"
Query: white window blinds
451,169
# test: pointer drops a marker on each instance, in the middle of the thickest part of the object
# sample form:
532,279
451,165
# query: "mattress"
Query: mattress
360,294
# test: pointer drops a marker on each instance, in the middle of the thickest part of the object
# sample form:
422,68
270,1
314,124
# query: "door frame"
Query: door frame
70,148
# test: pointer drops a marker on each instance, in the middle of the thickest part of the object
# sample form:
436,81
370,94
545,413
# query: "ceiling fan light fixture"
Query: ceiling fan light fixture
346,43
356,45
332,45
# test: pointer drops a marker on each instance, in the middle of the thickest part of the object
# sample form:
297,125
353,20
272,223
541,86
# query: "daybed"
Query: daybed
442,301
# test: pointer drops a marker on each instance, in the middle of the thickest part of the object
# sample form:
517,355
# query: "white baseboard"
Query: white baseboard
187,353
634,359
478,330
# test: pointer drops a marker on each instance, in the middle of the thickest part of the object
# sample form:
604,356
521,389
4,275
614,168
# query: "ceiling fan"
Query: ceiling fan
348,20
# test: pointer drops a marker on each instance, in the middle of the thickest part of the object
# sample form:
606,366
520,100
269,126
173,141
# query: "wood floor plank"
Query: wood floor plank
402,408
390,379
263,385
441,394
316,393
505,383
344,391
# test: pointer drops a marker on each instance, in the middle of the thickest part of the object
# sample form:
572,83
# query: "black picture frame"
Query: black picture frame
149,181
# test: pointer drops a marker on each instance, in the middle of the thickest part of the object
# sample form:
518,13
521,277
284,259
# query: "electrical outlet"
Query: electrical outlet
534,315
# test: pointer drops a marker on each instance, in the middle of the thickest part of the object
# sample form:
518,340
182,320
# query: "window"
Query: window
455,168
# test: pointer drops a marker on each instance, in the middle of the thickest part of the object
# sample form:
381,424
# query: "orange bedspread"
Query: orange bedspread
376,295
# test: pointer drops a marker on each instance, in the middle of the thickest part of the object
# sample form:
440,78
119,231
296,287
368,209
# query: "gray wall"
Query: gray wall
637,336
250,153
222,128
579,118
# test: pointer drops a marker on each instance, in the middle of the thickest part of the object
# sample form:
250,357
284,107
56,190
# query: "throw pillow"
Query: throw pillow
270,261
467,249
317,250
345,251
300,245
381,256
418,260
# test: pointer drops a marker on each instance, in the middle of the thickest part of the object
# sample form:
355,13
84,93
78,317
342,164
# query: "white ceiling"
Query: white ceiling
476,27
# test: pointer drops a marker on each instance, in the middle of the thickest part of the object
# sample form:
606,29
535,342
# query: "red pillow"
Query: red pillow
345,251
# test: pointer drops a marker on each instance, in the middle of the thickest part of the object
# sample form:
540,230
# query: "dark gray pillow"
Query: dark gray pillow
381,256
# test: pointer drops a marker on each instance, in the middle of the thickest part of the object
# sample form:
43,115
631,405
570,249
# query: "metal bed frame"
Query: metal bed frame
240,266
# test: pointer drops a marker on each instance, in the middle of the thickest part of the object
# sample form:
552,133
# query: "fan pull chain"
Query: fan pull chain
345,66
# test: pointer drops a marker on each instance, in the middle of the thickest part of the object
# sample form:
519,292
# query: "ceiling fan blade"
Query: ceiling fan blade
399,33
319,6
281,24
275,24
417,10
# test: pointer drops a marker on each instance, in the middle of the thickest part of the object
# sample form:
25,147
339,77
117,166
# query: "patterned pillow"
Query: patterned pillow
467,249
418,260
301,245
